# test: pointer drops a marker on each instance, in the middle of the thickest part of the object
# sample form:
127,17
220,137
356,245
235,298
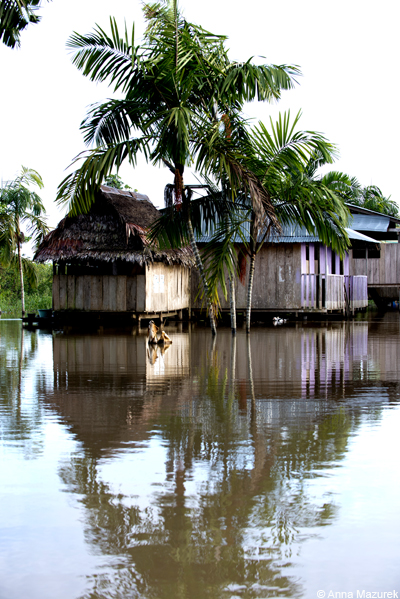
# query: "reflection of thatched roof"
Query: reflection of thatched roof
114,229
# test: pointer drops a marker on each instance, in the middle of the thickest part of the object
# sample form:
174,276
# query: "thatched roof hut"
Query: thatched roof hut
103,261
114,230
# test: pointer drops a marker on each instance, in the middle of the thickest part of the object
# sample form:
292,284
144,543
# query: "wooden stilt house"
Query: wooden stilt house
380,263
295,272
103,263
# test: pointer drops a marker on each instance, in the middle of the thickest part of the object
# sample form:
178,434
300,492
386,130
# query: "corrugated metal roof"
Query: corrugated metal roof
369,222
356,235
290,234
361,210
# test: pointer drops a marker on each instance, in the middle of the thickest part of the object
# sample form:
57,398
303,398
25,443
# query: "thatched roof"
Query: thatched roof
114,229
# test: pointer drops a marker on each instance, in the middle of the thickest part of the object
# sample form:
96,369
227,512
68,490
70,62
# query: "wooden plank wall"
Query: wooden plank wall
285,279
358,292
167,288
309,291
334,292
389,267
119,293
380,271
277,280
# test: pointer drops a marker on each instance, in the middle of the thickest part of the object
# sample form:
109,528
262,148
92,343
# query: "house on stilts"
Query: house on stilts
295,272
104,266
380,263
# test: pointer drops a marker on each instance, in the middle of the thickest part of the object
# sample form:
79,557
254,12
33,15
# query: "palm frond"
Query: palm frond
79,188
246,81
102,57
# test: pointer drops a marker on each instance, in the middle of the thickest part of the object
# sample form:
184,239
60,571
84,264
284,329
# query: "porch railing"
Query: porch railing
330,292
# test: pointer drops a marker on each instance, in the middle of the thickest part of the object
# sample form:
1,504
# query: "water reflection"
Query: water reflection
195,467
21,419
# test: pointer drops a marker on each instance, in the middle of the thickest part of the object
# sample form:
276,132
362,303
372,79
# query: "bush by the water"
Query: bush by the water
35,298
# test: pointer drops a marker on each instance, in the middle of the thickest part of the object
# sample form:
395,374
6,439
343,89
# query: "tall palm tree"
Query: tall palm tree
283,159
172,86
20,207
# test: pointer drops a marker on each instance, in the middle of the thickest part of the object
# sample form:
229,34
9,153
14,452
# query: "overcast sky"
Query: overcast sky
347,51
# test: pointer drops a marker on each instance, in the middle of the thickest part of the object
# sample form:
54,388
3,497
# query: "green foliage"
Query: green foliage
15,16
116,182
173,86
38,295
20,207
283,160
372,198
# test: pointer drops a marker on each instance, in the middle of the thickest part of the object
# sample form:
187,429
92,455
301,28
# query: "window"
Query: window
374,252
359,253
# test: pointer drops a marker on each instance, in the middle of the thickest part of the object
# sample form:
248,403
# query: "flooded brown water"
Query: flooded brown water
261,466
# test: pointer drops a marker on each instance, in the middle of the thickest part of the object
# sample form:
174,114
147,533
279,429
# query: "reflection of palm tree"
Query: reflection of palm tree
197,544
15,358
251,381
21,359
232,382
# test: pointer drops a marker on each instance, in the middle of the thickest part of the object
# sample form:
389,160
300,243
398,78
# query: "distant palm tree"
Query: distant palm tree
349,188
372,198
19,207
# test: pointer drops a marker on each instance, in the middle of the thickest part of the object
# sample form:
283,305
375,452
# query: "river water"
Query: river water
249,467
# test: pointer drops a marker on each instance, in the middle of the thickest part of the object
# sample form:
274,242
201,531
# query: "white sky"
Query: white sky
347,51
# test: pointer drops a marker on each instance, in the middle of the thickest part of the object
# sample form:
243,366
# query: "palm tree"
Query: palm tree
19,207
173,85
15,16
372,198
283,159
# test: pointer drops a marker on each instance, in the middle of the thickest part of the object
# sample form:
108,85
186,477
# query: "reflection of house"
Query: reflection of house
106,386
295,272
172,360
104,264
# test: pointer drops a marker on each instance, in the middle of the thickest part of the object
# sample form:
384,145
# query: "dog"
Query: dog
164,339
152,333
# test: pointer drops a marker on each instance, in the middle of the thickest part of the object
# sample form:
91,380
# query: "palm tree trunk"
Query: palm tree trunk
200,268
250,290
233,303
21,277
232,298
